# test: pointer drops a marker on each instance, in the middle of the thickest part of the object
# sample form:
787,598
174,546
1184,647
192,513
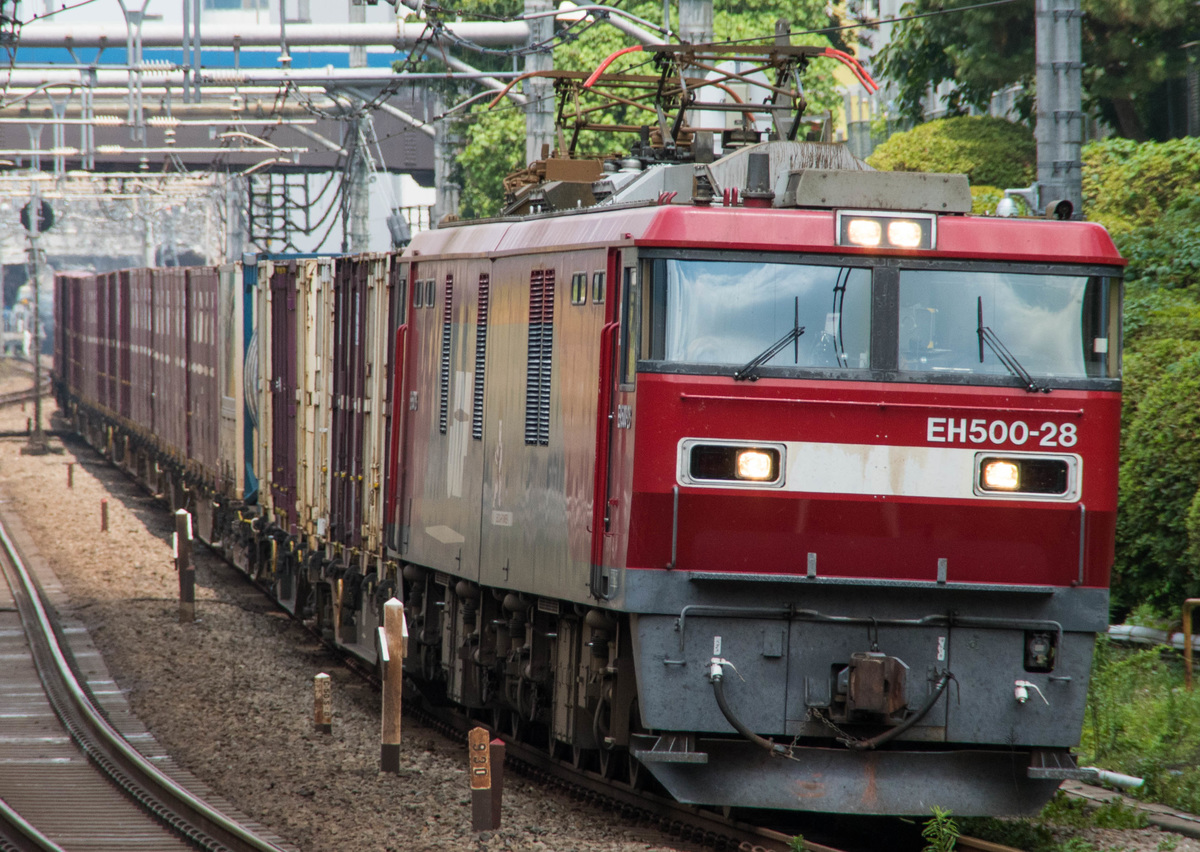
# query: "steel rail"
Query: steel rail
18,835
184,813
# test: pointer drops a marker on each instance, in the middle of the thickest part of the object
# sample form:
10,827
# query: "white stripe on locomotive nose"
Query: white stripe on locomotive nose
873,469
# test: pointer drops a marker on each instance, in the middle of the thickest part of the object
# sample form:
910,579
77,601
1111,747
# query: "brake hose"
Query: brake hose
717,676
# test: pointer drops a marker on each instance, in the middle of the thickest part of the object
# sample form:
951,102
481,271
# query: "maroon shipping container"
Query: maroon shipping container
90,351
284,387
112,339
124,337
170,354
100,365
204,397
349,386
75,335
56,364
142,362
66,334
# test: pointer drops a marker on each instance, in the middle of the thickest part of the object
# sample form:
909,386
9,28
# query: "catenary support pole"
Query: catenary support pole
696,21
1059,128
539,112
448,192
37,444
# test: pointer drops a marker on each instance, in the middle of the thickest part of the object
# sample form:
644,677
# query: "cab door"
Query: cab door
620,350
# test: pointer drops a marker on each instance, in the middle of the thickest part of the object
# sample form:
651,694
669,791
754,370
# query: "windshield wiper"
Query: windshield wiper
986,335
749,372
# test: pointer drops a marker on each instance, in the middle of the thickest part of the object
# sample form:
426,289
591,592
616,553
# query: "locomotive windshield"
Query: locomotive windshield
1054,325
936,321
730,312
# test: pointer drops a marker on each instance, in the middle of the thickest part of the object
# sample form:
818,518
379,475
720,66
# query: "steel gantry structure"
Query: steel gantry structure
108,102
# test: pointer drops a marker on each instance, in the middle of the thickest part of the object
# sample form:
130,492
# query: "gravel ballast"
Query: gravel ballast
230,696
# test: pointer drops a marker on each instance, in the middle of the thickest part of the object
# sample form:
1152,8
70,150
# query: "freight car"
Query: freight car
783,482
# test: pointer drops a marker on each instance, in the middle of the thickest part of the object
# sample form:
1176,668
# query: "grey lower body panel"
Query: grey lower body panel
969,782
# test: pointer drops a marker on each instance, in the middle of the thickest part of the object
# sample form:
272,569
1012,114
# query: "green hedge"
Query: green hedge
1160,471
1131,185
989,151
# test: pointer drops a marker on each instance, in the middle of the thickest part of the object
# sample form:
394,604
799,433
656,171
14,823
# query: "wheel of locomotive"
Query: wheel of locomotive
635,773
499,718
581,758
612,762
517,726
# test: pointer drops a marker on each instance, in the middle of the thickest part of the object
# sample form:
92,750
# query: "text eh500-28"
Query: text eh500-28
953,430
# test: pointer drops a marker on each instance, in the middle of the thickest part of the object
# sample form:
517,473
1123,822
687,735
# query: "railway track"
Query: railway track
80,785
25,394
693,828
696,828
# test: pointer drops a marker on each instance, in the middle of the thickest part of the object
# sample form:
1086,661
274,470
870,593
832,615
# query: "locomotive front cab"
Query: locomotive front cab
890,479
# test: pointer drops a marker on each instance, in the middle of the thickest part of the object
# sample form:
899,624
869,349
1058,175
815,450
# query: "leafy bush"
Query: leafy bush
1159,475
1142,722
1153,313
984,199
1129,185
1050,830
1144,368
989,151
1165,251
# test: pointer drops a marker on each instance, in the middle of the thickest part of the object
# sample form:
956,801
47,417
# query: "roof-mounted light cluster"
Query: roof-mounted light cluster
870,229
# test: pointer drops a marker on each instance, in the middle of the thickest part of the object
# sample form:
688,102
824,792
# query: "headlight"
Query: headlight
904,233
1020,474
1001,475
723,463
886,229
864,232
755,465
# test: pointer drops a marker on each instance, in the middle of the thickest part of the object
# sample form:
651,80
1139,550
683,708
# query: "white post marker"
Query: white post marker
183,565
323,704
393,645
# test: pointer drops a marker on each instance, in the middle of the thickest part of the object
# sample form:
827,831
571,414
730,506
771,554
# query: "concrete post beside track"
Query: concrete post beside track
393,645
183,564
486,768
322,704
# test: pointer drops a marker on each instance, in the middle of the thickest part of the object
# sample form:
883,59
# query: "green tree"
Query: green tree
1130,51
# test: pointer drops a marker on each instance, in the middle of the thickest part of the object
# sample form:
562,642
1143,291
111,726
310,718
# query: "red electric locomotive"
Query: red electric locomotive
786,482
793,486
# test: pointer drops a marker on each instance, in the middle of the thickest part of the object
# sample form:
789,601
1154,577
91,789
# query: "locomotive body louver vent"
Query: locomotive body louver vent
444,389
481,320
540,350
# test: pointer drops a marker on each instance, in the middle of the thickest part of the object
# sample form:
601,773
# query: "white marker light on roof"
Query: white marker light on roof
904,233
864,232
